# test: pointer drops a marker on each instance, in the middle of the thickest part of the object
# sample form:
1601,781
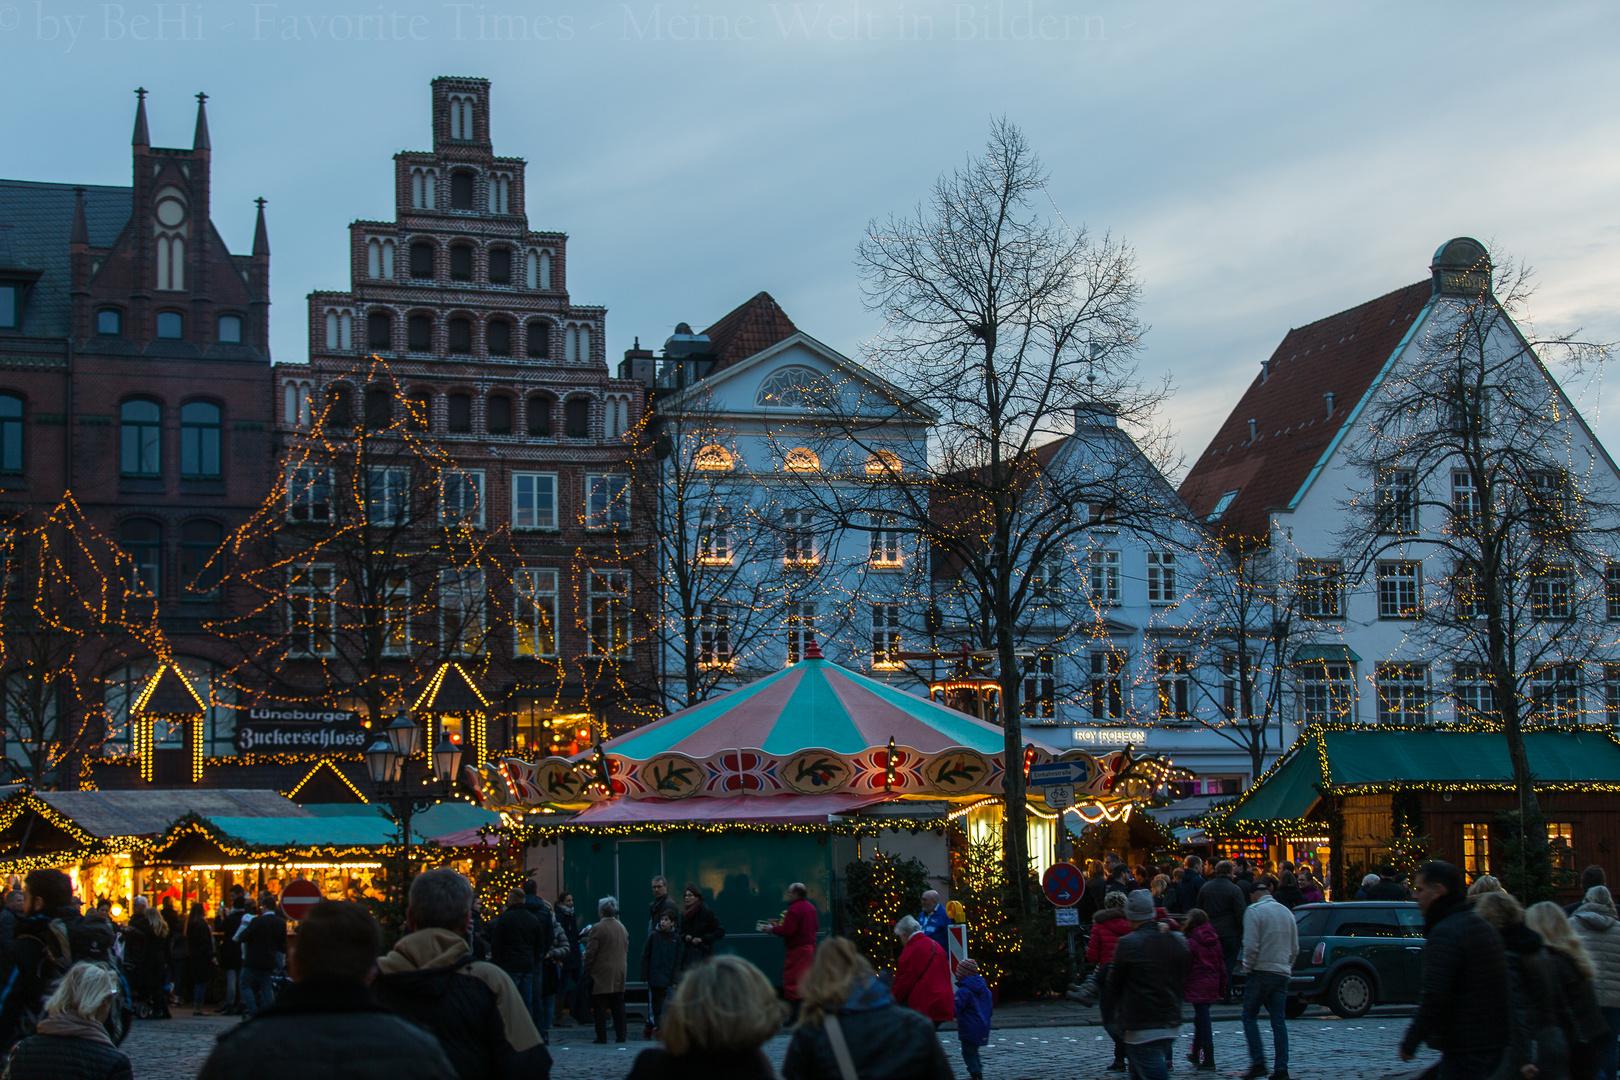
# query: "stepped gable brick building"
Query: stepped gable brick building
134,373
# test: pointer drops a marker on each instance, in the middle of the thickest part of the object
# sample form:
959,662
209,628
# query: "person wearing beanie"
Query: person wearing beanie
1270,943
1147,979
973,1008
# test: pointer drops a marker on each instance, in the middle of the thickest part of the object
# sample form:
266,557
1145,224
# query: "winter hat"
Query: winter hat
1115,899
1599,896
1139,906
966,968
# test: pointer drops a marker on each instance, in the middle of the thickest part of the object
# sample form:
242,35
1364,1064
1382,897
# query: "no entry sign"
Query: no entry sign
298,897
1063,884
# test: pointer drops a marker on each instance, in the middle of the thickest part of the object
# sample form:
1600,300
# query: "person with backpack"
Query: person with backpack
230,953
514,944
146,950
50,938
551,949
71,1040
264,952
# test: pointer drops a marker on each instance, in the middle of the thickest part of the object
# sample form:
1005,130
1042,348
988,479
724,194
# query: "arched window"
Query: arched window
617,418
883,463
200,543
713,458
110,322
461,116
577,345
171,262
339,328
199,439
793,386
500,193
379,406
498,417
801,459
140,444
499,340
171,325
424,193
230,329
500,266
577,418
297,407
461,262
539,339
420,405
461,189
540,416
339,413
380,330
11,433
545,270
419,333
459,336
458,413
142,540
379,257
421,259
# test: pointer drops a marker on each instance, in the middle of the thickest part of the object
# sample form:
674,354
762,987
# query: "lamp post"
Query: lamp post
402,786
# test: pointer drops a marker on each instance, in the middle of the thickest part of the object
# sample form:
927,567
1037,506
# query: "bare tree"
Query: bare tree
1477,460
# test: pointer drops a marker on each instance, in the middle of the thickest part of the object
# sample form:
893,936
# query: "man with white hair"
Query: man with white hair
934,920
922,978
797,929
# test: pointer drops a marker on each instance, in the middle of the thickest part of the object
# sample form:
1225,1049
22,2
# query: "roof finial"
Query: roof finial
199,139
261,236
81,228
140,138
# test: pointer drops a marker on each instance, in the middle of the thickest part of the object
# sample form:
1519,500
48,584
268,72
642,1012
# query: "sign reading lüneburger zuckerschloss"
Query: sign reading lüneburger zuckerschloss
270,731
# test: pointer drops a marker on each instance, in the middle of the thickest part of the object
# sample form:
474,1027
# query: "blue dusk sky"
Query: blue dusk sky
1270,163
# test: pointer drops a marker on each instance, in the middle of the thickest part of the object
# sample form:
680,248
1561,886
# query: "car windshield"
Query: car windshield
1311,920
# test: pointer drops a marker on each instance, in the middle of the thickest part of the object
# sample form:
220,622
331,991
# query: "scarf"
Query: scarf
693,905
73,1027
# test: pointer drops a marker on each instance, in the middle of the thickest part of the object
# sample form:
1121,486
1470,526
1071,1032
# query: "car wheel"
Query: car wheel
1350,994
1296,1008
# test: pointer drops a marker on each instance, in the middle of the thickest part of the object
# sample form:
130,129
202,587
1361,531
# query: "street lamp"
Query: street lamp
405,790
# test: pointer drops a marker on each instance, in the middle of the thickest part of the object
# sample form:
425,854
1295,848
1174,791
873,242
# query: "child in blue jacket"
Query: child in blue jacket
972,1015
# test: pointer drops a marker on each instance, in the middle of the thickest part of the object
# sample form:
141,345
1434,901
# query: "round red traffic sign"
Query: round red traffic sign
297,897
1064,884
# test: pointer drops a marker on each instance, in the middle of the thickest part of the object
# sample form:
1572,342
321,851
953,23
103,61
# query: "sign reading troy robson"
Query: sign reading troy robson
270,730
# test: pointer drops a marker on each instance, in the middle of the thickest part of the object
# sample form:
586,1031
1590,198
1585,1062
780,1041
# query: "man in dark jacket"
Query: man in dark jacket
264,951
1192,880
1591,878
514,944
50,937
1223,901
1389,886
1147,979
1463,1006
661,902
230,952
328,1025
551,947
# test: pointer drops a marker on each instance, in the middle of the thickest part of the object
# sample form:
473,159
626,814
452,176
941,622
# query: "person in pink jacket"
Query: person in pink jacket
1206,983
922,978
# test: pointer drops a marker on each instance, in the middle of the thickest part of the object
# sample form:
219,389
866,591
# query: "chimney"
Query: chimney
639,365
1329,397
1254,431
1265,371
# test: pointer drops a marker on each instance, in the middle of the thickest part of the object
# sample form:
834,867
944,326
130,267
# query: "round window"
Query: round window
170,212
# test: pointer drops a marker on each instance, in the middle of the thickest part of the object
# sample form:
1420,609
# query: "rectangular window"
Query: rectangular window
1476,849
1465,409
1105,577
1397,501
1107,685
799,537
388,496
1403,694
1549,502
1398,594
1040,687
1321,589
9,307
1611,591
1175,677
714,636
714,537
1101,513
885,636
397,615
1326,692
310,611
1550,592
884,542
1473,691
1561,845
1232,703
1046,588
461,498
1466,595
534,612
1611,693
534,500
607,501
1465,504
608,613
309,494
461,612
801,630
1555,693
1161,577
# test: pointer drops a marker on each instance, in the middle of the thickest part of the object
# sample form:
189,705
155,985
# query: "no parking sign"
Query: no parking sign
1063,884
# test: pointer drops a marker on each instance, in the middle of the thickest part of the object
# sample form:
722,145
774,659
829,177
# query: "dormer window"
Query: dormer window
171,325
110,322
230,329
461,190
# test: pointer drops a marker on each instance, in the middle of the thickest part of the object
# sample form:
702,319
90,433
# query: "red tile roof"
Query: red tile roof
1340,354
752,328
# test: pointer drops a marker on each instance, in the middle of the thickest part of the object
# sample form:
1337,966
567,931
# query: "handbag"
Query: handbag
1089,990
840,1049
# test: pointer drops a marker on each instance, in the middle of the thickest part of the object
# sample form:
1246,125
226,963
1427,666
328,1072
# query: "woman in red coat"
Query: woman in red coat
922,979
798,932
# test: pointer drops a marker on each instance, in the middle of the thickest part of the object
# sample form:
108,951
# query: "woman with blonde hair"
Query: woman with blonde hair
850,1027
1483,884
1574,971
71,1039
722,1012
1538,1046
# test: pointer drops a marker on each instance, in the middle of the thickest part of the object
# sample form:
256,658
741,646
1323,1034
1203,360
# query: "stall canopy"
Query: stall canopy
772,810
449,824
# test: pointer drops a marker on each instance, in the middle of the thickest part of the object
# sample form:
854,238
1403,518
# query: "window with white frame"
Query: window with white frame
1046,582
1473,691
461,116
1467,599
388,495
1403,693
311,610
1104,566
1161,577
799,537
885,636
1550,501
1465,504
296,402
461,498
339,328
424,188
534,500
884,541
1107,685
607,600
461,612
1467,409
396,603
1320,585
500,193
1040,687
801,630
607,501
714,536
1399,595
1611,591
1396,496
1476,849
1555,693
1611,693
714,635
1551,589
379,257
1175,680
534,612
309,494
1326,691
1233,703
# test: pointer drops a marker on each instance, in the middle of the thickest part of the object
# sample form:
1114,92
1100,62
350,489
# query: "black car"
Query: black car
1356,955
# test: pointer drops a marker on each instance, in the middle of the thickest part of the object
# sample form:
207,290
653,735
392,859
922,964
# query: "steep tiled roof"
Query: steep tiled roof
1341,355
35,223
751,328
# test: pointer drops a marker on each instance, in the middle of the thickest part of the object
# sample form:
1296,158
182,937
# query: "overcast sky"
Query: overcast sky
1271,164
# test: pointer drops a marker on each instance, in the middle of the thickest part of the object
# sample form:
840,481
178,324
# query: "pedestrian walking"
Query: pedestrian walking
146,952
700,928
199,956
1270,943
514,945
922,977
661,902
1574,974
797,929
660,967
1223,901
553,950
1388,886
1148,980
606,956
850,1027
1367,882
1539,1047
71,1040
1483,884
1463,1006
1206,983
1192,880
1599,928
264,954
935,921
1591,878
1109,926
571,966
973,1012
720,1016
230,954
